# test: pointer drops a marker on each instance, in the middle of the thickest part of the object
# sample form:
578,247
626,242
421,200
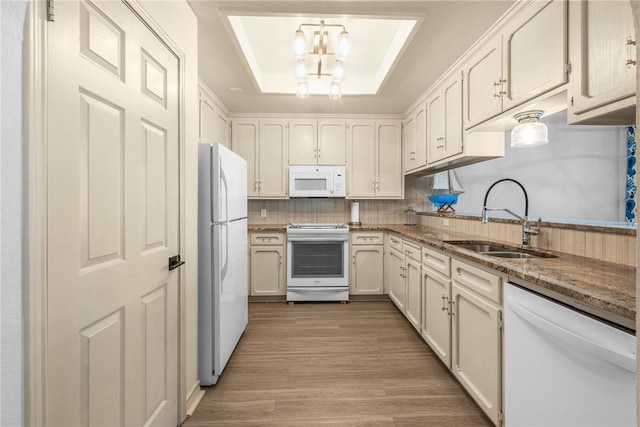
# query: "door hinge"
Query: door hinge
51,15
567,68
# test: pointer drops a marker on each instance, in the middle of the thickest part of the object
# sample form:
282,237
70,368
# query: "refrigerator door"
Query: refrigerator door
229,184
230,296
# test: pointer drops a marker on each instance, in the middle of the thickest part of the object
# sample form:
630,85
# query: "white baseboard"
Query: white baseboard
194,397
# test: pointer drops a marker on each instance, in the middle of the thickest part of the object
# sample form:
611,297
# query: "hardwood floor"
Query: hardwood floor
356,364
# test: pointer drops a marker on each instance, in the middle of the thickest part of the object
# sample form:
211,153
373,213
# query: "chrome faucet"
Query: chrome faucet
527,229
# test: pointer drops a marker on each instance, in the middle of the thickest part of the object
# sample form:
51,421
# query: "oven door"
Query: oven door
315,262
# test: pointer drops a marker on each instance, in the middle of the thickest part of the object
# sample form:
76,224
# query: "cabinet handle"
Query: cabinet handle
496,92
452,304
444,303
354,259
502,82
630,43
280,259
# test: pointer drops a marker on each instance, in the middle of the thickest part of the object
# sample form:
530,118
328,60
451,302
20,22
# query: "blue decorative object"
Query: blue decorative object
632,189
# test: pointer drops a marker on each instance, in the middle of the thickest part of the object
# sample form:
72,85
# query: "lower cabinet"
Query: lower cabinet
436,323
367,263
397,284
413,278
476,350
267,264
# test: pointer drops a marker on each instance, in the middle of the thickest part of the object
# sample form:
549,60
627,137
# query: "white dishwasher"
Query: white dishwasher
565,368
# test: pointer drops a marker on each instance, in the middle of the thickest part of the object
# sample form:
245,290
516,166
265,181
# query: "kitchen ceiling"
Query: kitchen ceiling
250,72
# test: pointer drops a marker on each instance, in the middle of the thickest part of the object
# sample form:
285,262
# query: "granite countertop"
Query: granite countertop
595,286
602,286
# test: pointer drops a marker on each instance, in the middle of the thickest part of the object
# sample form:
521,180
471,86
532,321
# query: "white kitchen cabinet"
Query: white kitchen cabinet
391,242
415,139
214,123
413,275
264,144
245,143
266,263
527,59
367,259
397,282
476,349
444,122
317,142
436,291
374,159
332,142
603,62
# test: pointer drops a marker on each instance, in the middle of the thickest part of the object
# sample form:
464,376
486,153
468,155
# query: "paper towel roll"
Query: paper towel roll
355,213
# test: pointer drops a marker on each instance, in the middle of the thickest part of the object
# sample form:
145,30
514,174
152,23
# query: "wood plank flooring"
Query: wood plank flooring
356,364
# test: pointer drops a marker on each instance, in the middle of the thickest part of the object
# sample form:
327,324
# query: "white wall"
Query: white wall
12,17
579,175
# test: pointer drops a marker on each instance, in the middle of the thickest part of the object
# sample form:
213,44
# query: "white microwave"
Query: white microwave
316,181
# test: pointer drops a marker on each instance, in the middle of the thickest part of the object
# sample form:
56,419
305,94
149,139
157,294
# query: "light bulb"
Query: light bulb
301,71
530,132
338,72
303,90
300,45
343,48
335,91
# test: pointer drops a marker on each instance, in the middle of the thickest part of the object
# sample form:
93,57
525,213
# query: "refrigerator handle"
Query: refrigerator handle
586,344
224,252
223,177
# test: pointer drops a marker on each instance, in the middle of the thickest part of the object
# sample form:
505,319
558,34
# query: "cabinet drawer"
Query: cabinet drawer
411,250
267,238
367,238
481,282
395,242
437,261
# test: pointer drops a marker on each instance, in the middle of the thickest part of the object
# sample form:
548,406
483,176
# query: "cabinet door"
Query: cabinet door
535,52
414,293
436,126
388,162
332,143
303,143
421,137
476,348
273,165
483,74
436,323
409,143
367,273
453,132
267,270
599,54
361,176
207,121
397,290
222,130
245,144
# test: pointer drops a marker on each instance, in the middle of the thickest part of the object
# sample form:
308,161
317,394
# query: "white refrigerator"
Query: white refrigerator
222,257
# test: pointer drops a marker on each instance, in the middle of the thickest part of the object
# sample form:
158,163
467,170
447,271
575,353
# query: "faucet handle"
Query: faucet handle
532,230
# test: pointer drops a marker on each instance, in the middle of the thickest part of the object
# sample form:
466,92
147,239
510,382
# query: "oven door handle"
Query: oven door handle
317,238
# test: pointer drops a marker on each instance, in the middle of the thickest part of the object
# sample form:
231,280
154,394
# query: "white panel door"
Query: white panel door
113,150
483,74
361,173
332,143
389,159
303,143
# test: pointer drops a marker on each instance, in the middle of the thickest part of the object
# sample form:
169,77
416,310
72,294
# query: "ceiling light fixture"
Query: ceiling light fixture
342,52
530,132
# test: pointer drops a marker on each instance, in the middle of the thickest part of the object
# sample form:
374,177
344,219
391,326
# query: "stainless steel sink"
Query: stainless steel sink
499,250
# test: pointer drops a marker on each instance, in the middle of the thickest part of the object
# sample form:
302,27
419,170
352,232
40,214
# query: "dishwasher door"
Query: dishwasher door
563,368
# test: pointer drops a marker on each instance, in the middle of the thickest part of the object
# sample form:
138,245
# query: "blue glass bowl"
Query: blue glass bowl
448,199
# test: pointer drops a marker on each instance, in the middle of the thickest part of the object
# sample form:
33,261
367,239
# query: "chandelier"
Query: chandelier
342,53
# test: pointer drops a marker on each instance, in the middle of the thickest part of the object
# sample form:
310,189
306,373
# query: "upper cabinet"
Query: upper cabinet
214,122
603,62
525,60
374,160
415,139
444,123
264,144
317,142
